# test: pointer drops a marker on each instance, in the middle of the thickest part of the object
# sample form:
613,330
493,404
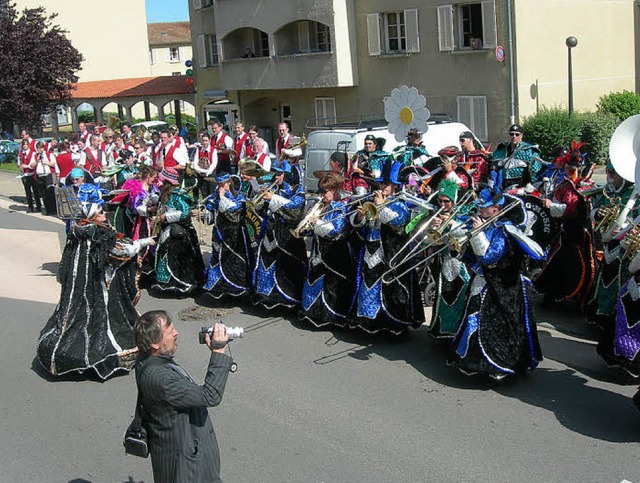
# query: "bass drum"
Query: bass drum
541,226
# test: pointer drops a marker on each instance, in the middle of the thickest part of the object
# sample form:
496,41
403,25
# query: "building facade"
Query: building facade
317,62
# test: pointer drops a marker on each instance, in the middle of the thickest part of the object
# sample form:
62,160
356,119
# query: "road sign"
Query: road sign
500,53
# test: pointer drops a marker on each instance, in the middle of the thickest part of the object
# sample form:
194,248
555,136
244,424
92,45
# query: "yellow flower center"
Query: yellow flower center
406,115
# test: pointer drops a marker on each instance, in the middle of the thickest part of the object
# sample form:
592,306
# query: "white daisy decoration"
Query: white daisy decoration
406,109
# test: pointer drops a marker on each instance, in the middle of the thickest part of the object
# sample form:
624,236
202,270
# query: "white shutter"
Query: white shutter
182,53
303,37
411,30
445,28
489,24
479,107
197,4
464,110
373,31
202,51
167,54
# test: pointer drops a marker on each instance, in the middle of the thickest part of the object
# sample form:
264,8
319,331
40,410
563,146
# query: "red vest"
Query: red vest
93,165
260,159
220,145
280,145
65,164
208,154
238,143
169,161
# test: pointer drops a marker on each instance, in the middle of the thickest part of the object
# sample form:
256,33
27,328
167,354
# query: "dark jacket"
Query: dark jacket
182,442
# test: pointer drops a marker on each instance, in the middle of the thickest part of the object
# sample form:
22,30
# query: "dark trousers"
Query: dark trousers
31,191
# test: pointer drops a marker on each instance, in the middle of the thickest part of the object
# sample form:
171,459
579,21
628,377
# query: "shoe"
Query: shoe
498,377
30,210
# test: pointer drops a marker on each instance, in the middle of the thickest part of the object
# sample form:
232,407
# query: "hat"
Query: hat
449,151
489,197
90,198
414,132
340,158
466,135
448,188
516,128
76,173
370,137
281,167
222,177
170,175
390,171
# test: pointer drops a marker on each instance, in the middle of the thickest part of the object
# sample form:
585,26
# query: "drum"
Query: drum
541,226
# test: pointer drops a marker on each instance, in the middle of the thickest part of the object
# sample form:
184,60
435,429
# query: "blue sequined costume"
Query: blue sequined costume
520,166
498,335
328,289
281,259
230,265
393,307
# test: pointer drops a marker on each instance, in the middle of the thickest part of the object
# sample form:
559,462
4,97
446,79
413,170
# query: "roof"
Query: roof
134,87
169,33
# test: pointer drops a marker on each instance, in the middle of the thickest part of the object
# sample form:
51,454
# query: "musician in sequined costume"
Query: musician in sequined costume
601,308
452,275
518,161
498,336
413,153
397,306
91,327
281,259
367,163
230,265
473,158
569,271
179,265
330,283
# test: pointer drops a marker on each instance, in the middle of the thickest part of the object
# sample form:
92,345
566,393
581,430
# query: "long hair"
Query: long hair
165,192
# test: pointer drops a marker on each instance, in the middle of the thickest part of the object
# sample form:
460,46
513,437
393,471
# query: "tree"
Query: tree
38,65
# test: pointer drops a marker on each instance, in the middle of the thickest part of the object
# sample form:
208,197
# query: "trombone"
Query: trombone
254,202
449,240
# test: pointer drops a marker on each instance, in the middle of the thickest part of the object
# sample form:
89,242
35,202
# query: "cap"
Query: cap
516,128
466,135
370,137
488,197
76,173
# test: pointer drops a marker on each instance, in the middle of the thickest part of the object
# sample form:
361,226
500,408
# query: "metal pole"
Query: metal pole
511,68
570,84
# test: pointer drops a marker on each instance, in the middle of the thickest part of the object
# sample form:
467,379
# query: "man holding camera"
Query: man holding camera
181,438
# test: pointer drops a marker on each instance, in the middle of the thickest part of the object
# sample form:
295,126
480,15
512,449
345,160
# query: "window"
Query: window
174,54
176,73
207,50
313,37
472,111
264,44
325,110
393,32
467,26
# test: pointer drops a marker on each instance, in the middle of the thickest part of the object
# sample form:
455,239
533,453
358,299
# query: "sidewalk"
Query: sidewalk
12,196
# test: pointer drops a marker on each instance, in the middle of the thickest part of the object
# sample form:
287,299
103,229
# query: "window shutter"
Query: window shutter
167,54
411,30
445,28
479,108
197,4
319,109
489,24
182,53
464,111
202,51
373,32
303,37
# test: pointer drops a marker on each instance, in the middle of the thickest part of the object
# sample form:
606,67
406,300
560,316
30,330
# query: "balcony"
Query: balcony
286,44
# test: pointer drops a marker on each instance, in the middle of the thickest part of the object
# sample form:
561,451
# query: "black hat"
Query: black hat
466,135
516,128
339,157
370,137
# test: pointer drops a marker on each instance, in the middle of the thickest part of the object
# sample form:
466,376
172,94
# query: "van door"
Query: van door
320,146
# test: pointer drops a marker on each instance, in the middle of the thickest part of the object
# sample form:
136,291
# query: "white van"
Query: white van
321,143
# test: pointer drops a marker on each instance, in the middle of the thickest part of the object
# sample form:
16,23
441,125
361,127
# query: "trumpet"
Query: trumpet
254,202
301,143
610,213
308,219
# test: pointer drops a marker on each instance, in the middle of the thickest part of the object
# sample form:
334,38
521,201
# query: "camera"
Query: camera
232,332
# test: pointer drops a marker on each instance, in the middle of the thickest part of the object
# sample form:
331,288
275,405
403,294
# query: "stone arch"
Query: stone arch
302,37
236,43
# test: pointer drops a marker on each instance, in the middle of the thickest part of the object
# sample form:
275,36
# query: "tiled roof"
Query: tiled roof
169,33
136,87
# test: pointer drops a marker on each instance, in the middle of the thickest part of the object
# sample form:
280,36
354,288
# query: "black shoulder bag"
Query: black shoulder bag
135,437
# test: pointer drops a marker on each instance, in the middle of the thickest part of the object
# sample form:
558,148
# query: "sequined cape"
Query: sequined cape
91,327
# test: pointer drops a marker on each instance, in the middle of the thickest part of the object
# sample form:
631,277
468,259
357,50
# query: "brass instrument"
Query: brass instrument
254,202
632,243
157,222
301,142
610,214
308,220
204,162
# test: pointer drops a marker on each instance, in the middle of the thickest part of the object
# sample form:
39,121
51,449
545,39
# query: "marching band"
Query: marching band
468,233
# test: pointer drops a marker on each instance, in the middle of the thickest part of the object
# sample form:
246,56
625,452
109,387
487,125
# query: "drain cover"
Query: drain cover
197,312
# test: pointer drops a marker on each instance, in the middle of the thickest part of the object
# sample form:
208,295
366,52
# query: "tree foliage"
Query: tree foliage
551,127
38,65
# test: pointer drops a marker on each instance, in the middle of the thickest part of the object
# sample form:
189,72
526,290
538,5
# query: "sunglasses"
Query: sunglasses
515,134
444,200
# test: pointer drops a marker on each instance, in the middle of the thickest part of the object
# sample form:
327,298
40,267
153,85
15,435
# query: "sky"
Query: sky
167,10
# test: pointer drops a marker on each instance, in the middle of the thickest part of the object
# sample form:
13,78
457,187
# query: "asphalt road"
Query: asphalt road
312,405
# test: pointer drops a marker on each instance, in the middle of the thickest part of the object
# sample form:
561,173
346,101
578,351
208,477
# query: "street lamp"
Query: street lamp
571,43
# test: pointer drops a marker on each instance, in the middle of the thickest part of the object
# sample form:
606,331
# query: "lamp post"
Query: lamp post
571,43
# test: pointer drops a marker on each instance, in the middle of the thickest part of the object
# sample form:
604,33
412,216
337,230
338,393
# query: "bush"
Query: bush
551,127
597,129
621,104
86,116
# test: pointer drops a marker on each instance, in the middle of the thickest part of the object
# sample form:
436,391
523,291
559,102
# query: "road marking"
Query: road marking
27,261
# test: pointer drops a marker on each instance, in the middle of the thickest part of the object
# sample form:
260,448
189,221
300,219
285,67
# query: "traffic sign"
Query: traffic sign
500,53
